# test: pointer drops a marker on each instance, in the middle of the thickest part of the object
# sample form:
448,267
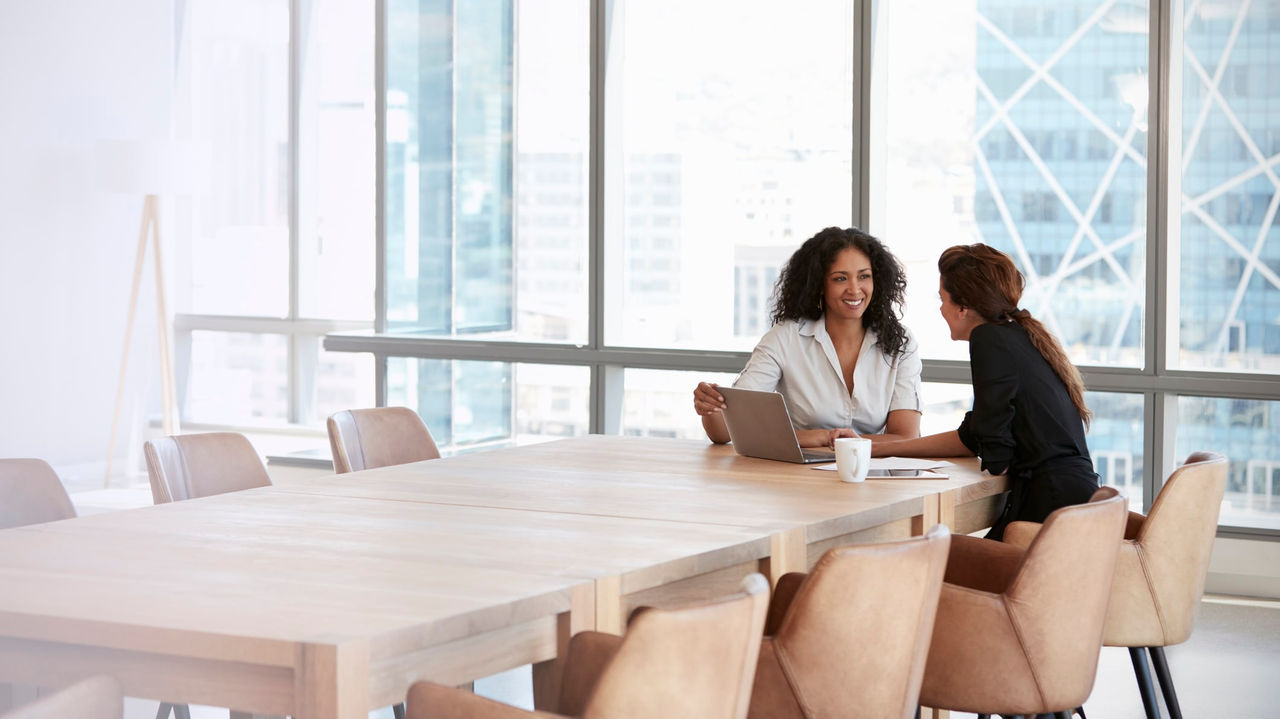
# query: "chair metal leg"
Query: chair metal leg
1138,656
1166,682
398,710
163,711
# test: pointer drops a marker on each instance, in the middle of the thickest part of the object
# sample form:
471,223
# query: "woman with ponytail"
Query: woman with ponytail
1029,416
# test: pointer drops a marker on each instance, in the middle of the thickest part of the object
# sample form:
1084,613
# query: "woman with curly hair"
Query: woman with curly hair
837,350
1029,415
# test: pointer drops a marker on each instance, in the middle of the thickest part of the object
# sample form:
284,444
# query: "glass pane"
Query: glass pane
232,87
475,405
945,405
1245,431
336,217
1230,254
236,378
1115,442
1022,125
486,169
729,131
343,380
659,403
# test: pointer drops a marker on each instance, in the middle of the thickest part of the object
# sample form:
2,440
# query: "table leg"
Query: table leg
610,613
331,681
939,508
788,552
580,617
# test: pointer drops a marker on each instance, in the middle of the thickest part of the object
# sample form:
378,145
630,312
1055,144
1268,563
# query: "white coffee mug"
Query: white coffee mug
853,458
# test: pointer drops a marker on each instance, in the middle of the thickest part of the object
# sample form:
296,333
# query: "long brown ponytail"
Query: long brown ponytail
986,281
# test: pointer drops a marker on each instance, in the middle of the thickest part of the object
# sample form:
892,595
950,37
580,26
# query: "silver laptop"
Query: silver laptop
760,426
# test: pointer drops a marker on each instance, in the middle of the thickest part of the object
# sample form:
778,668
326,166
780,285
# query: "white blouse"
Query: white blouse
798,359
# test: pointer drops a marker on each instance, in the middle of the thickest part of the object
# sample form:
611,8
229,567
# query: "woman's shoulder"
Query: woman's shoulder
909,346
789,328
998,337
781,337
997,331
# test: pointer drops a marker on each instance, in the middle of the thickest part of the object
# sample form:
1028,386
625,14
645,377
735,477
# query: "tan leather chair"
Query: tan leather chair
1161,571
378,437
187,466
1019,630
30,493
850,638
695,662
92,698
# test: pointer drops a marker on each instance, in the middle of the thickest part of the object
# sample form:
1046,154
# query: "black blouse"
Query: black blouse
1022,418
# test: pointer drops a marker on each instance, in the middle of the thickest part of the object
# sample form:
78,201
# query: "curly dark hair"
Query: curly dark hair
798,292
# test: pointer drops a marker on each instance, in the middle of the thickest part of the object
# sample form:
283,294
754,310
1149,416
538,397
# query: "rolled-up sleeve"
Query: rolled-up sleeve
906,384
764,367
987,430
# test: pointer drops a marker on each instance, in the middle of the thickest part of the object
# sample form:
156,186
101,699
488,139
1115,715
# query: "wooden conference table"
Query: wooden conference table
327,597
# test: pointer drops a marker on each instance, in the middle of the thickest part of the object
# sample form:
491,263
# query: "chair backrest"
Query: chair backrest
187,466
30,493
696,661
1176,542
1058,598
857,632
378,437
92,698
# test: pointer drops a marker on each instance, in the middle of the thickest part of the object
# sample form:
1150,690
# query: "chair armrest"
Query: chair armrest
589,653
982,564
1133,524
786,590
1020,534
435,701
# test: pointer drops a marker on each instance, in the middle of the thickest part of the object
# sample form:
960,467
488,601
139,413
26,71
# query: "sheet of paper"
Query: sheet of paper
908,463
898,463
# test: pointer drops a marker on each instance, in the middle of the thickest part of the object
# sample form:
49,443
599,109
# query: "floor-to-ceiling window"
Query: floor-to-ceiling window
585,203
1028,126
275,232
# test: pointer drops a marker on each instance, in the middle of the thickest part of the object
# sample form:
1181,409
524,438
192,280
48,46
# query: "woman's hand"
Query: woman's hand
823,437
706,400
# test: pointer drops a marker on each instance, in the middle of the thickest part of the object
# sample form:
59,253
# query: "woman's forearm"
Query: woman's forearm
901,424
944,444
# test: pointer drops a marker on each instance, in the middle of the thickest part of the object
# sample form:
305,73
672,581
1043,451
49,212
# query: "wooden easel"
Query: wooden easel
150,229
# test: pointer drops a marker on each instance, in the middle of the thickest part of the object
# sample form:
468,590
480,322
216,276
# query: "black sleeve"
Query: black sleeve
987,430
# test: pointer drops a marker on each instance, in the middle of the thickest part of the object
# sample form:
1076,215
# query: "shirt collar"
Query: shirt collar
818,328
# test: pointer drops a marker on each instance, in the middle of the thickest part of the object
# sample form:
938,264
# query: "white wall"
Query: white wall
73,73
1245,567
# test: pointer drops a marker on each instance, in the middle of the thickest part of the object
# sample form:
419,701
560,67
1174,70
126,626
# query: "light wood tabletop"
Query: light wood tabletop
328,597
